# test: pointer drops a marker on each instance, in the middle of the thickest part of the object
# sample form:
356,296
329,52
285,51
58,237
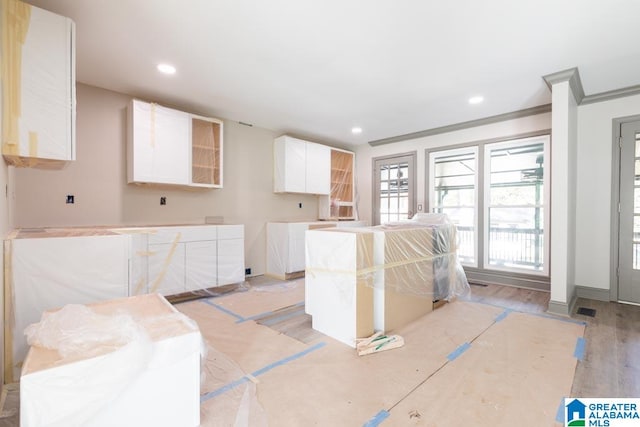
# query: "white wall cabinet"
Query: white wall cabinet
340,203
167,146
301,166
38,86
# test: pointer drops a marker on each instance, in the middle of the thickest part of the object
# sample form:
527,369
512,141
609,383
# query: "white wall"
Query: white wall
97,179
365,153
593,195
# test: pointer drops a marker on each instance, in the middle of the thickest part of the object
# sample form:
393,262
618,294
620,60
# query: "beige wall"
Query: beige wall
97,179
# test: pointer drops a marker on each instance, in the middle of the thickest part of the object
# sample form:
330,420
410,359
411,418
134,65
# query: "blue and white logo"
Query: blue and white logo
601,412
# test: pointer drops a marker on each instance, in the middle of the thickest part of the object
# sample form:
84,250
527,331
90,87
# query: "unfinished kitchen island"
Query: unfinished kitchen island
379,278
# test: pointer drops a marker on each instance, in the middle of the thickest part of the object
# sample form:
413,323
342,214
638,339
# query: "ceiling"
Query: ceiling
318,68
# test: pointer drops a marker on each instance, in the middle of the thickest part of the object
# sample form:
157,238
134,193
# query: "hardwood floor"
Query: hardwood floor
611,363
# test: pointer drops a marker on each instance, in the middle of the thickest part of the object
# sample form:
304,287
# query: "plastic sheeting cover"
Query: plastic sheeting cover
416,257
76,332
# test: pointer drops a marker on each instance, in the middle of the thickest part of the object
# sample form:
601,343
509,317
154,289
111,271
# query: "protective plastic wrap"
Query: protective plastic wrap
341,203
110,363
410,265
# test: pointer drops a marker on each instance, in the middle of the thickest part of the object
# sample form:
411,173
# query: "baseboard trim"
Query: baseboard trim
593,293
491,278
562,308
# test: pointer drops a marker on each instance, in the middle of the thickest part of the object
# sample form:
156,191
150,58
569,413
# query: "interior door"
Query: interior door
394,188
629,224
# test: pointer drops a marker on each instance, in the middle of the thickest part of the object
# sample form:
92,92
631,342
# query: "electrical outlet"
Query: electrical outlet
247,271
163,200
419,207
300,205
70,199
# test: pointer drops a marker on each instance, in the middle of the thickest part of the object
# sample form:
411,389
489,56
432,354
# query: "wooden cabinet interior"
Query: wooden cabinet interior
341,184
206,153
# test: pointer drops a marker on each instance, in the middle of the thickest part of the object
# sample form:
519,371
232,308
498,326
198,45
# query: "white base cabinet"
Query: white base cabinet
47,269
286,244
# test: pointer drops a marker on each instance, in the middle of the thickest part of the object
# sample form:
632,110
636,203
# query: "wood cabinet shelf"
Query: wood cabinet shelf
339,205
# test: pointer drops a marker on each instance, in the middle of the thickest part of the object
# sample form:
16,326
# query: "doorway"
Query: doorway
629,213
394,182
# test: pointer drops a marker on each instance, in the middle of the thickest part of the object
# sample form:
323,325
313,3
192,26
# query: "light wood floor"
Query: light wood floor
610,367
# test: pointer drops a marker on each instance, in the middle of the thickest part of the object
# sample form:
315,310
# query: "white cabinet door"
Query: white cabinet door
201,265
296,253
41,111
230,261
289,165
159,145
167,268
318,169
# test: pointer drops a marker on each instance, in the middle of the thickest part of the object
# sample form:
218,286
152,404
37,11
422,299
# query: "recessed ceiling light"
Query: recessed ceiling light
166,68
356,130
476,100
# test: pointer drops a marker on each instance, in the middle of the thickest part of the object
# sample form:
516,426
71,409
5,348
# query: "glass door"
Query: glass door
394,188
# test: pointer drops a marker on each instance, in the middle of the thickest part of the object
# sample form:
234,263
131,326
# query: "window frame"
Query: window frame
483,274
431,156
546,202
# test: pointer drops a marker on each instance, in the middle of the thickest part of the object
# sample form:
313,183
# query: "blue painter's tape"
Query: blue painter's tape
222,309
560,413
580,348
222,389
458,351
288,359
502,315
545,315
375,421
267,368
266,313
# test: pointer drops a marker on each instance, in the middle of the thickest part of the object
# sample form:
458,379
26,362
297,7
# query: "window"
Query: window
454,177
394,181
515,205
499,187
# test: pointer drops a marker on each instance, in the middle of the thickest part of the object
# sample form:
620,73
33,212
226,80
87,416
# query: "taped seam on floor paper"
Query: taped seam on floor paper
268,313
251,377
375,421
560,413
288,359
222,309
580,346
458,351
545,315
502,315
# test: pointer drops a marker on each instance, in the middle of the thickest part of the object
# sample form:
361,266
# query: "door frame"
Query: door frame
375,196
614,273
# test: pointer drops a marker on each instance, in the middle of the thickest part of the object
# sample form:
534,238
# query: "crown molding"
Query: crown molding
572,75
540,109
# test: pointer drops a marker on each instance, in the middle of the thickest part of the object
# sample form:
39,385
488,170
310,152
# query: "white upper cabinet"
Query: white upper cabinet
159,144
38,86
301,166
167,146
